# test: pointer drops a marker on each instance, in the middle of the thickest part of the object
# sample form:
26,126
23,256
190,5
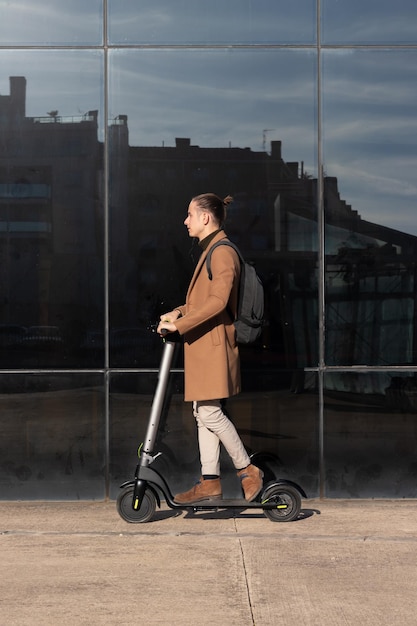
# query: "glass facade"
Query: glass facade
113,115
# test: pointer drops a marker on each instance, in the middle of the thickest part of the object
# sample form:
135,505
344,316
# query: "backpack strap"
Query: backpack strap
222,242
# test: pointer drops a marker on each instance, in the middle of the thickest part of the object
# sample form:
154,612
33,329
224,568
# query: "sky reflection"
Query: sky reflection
59,22
217,98
370,132
215,22
368,22
69,81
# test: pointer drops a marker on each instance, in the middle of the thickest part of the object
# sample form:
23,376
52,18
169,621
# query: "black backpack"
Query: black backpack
250,309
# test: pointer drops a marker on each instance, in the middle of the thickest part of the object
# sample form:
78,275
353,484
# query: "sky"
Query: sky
228,95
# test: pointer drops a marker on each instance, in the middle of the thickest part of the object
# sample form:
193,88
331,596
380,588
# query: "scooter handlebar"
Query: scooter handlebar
166,335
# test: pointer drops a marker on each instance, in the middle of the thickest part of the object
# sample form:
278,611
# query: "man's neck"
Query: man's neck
203,243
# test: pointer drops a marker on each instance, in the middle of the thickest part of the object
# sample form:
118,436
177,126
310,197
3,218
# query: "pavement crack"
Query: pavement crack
245,574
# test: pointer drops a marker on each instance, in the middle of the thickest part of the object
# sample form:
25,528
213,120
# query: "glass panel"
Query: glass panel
52,436
216,22
51,22
277,425
51,215
370,434
369,22
236,121
370,195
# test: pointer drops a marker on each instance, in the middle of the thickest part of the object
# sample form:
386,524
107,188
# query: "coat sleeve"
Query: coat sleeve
209,298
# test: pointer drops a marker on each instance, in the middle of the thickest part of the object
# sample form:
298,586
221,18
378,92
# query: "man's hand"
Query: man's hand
167,322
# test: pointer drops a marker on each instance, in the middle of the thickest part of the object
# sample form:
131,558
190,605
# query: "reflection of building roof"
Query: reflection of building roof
90,116
183,150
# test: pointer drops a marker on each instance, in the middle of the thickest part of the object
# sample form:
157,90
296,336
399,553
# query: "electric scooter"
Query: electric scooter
280,499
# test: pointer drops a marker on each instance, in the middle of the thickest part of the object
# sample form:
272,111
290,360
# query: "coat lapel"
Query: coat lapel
201,261
197,270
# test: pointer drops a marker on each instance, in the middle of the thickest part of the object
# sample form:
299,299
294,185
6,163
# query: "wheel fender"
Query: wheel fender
284,481
258,458
127,483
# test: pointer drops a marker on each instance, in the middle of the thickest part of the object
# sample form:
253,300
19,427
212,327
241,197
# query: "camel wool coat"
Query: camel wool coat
211,354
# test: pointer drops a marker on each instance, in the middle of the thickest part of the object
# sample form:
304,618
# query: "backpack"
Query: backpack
250,309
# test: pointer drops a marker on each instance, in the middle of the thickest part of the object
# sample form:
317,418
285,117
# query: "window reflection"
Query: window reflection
217,22
51,22
51,226
369,437
370,294
371,244
367,131
364,22
52,444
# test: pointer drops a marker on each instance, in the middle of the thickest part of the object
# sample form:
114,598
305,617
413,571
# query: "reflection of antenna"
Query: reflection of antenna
265,130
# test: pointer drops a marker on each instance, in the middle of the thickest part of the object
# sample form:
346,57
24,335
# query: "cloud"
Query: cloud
215,22
51,22
356,21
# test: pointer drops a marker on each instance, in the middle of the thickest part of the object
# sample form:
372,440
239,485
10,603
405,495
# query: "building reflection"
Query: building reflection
50,224
370,289
52,178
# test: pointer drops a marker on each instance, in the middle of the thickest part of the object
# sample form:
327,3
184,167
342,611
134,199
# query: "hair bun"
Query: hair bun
227,200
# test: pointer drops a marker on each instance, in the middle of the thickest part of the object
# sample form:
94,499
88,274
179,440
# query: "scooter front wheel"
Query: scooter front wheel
286,500
135,516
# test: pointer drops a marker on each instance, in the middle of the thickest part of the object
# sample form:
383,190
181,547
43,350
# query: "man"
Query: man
211,355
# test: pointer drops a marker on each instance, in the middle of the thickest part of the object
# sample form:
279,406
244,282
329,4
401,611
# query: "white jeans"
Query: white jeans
215,427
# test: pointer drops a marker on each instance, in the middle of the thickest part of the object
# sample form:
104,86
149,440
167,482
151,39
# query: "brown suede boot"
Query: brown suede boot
251,479
209,489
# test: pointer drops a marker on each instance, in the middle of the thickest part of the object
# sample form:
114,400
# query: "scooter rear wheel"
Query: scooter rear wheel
286,500
128,513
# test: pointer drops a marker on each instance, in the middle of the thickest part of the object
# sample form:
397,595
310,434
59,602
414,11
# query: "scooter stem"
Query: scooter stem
158,402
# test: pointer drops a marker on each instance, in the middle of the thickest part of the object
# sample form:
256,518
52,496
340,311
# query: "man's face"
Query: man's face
195,220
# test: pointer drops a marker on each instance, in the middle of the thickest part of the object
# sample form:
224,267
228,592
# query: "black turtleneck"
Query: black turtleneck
203,244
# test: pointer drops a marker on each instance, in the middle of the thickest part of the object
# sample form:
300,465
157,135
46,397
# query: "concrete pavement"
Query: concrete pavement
78,563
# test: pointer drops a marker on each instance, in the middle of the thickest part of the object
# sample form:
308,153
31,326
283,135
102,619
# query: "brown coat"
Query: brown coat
211,355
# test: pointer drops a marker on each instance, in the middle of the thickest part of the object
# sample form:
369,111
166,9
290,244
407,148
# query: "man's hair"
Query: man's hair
213,204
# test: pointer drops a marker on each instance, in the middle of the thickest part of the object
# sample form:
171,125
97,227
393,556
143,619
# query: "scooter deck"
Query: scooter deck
235,503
